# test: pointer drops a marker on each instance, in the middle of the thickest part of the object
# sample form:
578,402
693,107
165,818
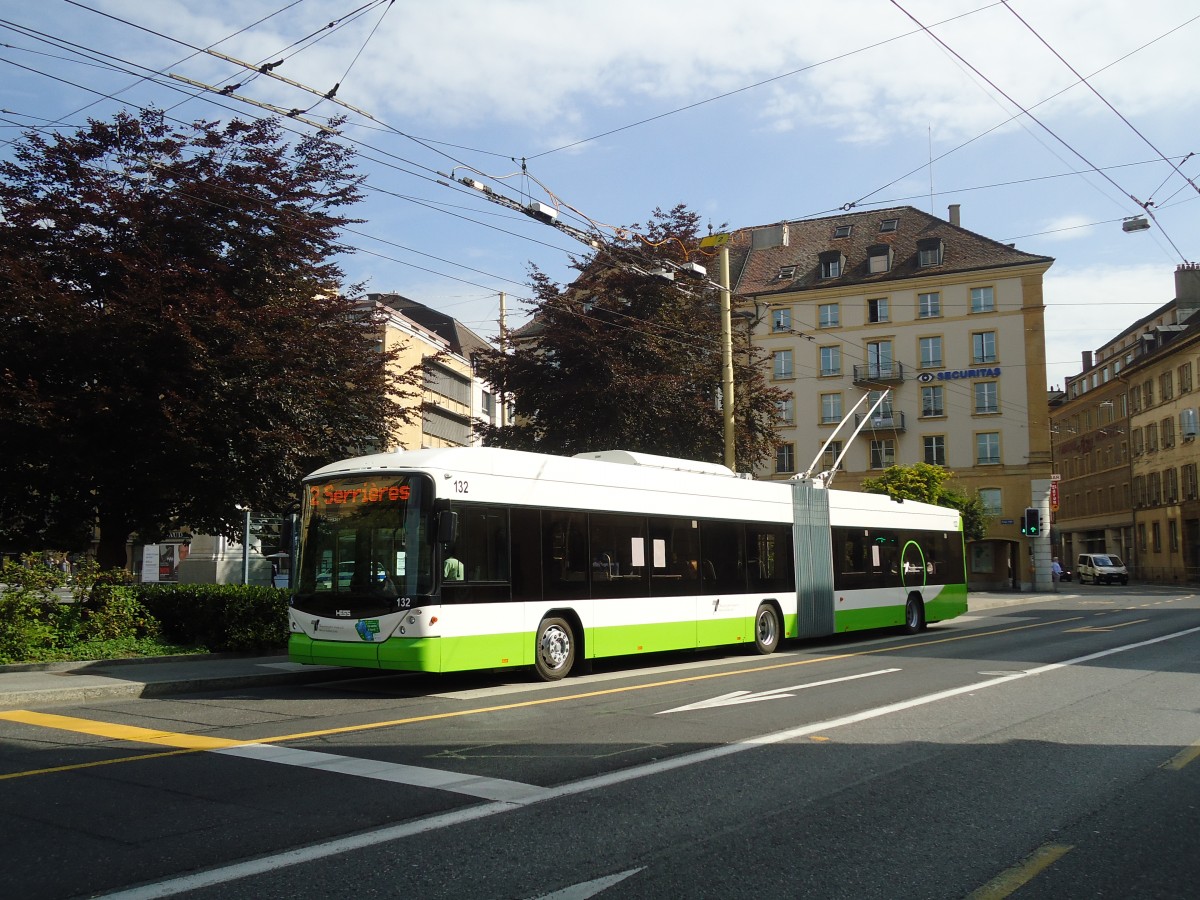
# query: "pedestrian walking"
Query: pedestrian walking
1055,572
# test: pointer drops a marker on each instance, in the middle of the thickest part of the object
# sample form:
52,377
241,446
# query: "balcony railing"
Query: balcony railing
889,421
885,373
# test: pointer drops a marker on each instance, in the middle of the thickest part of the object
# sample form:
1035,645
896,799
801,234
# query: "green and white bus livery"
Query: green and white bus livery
480,558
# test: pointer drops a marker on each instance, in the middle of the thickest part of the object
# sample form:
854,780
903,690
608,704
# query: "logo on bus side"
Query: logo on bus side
367,629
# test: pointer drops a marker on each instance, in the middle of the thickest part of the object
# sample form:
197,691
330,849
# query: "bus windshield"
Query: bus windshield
366,538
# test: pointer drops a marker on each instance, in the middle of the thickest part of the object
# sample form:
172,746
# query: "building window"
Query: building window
832,262
487,404
929,252
982,300
1173,534
879,259
983,347
1148,393
1151,431
1166,386
932,400
787,272
1135,398
877,310
987,448
883,417
783,364
883,453
831,361
1191,485
829,315
1156,535
1171,487
829,457
889,225
1185,378
831,409
987,397
1166,430
931,352
1141,532
785,458
929,306
990,498
787,410
935,449
880,362
841,231
1154,488
781,320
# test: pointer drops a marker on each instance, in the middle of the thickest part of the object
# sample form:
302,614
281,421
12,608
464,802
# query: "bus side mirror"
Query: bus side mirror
447,526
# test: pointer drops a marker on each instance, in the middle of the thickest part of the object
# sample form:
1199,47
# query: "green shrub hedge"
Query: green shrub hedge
219,617
108,617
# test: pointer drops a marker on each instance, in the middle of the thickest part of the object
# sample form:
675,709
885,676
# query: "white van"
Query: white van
1101,568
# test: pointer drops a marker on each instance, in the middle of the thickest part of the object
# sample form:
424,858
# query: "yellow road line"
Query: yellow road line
121,732
1091,629
1183,757
195,743
1022,873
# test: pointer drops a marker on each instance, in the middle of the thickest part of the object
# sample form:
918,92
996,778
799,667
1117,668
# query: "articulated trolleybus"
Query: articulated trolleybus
481,558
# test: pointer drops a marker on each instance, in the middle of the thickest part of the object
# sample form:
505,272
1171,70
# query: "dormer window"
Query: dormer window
889,225
879,259
832,263
929,252
841,231
786,272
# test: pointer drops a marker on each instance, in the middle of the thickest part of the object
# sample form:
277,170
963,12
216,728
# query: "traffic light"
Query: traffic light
1031,522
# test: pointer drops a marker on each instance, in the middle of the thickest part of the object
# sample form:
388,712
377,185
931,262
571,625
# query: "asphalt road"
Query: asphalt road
1046,749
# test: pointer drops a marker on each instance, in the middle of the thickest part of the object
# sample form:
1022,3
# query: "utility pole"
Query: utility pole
727,362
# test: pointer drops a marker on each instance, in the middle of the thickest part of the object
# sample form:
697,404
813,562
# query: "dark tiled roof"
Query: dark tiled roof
756,272
462,340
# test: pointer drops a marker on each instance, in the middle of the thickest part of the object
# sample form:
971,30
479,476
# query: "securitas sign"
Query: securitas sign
953,374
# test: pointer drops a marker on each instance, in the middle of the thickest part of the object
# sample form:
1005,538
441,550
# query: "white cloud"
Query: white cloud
1088,307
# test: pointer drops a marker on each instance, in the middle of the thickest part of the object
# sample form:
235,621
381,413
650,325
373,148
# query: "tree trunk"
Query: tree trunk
114,534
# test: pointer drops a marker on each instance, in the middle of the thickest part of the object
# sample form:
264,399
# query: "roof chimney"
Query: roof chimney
954,219
1087,360
1187,291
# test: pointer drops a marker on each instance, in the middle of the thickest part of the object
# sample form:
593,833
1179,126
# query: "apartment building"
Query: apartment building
947,322
1124,442
452,397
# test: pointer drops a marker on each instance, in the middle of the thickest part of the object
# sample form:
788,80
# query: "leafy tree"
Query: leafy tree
173,340
623,359
927,483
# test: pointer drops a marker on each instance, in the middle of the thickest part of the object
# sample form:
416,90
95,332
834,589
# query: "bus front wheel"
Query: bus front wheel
555,652
766,629
914,615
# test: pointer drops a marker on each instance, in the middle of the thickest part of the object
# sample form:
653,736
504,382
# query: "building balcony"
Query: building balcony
873,373
889,421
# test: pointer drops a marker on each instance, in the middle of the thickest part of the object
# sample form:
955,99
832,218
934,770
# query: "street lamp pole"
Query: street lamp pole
727,361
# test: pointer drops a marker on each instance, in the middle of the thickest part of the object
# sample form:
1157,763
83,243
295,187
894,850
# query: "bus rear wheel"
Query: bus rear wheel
914,615
555,651
766,629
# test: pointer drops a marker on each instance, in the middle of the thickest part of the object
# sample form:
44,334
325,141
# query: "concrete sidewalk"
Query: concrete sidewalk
41,684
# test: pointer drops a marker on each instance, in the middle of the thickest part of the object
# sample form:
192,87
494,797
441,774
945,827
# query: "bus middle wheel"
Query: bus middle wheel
555,652
766,629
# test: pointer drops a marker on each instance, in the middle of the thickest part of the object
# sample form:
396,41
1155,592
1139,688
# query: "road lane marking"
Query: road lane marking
315,852
1183,757
120,732
737,697
589,889
396,773
1011,879
20,715
1093,629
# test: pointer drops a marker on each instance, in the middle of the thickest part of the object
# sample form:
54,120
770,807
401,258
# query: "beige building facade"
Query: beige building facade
947,322
1125,443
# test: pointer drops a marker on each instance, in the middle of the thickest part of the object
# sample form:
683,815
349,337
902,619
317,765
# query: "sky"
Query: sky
1050,123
